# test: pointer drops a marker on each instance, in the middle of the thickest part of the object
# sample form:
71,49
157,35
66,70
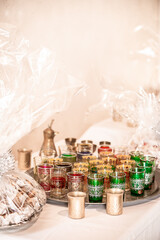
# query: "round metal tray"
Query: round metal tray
129,200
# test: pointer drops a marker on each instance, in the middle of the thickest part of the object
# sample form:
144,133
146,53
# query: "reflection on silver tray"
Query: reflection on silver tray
20,226
129,200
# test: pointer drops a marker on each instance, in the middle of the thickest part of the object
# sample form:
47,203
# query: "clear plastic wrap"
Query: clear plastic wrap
21,200
135,102
7,162
33,86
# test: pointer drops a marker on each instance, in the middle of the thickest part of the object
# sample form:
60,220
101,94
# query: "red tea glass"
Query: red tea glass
44,175
75,181
104,148
58,183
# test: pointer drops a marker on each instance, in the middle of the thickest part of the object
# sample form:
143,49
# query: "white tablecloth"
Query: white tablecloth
137,222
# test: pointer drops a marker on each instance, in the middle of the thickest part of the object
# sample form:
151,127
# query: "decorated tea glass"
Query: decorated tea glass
65,165
84,149
95,187
152,160
81,164
44,172
117,180
137,180
121,153
104,148
105,172
147,166
87,158
58,183
131,162
69,157
136,155
83,170
112,160
125,168
53,161
75,181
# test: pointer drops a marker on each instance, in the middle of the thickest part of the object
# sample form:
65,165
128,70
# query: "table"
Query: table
137,222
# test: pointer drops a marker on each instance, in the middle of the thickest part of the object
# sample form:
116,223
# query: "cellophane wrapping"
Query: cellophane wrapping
33,86
138,106
21,199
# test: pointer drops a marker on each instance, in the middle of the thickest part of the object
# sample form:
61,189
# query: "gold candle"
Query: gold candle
114,205
24,158
76,205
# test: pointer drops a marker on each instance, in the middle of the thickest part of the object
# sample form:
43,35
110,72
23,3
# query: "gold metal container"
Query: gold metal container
114,205
24,158
76,205
48,147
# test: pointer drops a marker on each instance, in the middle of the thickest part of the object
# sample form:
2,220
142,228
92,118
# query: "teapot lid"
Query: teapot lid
49,130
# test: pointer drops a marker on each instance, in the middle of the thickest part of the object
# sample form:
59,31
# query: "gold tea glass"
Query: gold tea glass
81,165
76,205
114,204
94,163
24,158
121,153
112,160
128,162
87,158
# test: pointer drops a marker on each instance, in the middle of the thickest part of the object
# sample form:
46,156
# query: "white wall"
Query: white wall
93,38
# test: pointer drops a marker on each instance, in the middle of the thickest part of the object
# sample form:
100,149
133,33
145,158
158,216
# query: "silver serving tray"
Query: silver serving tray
129,200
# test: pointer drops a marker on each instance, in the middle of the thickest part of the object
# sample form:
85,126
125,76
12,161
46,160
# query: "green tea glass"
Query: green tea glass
69,157
95,187
148,174
137,181
136,155
117,180
152,160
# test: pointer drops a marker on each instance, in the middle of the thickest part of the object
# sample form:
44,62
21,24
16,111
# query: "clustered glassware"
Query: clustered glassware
118,169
